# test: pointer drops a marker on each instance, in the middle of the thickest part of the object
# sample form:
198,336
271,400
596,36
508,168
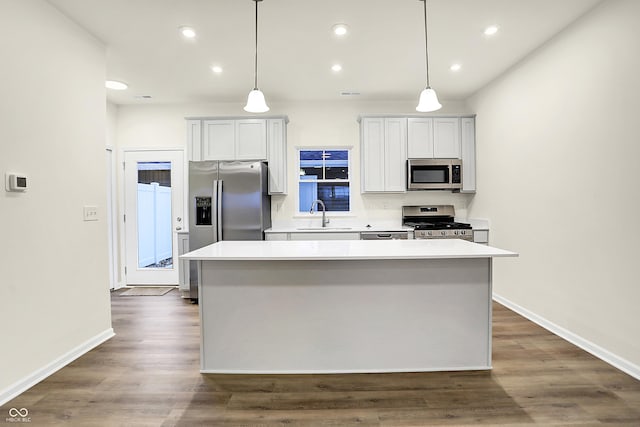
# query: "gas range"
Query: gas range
435,222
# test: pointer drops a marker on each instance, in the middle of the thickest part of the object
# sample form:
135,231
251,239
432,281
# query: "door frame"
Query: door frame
112,215
122,248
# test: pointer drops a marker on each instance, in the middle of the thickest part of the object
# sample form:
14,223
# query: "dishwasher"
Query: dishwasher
384,235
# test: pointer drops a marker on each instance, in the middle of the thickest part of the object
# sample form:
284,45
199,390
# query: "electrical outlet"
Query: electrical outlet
90,213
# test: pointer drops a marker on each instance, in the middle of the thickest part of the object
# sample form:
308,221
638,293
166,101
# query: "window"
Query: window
324,175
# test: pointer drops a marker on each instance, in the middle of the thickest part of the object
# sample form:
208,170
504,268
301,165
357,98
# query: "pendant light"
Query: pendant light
428,98
255,100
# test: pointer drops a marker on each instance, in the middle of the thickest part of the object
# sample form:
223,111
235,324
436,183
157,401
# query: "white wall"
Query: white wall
53,266
311,124
558,175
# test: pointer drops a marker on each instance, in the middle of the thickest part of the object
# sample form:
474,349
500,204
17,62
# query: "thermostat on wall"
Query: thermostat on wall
15,182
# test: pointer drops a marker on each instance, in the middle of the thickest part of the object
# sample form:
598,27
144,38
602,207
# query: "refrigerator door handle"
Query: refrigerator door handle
218,195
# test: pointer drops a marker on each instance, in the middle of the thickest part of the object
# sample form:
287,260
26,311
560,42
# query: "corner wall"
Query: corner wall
53,266
558,152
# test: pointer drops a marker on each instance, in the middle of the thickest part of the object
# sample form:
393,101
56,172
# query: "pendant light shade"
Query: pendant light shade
428,99
255,101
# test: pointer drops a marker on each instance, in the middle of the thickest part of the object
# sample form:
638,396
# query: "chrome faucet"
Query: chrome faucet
319,202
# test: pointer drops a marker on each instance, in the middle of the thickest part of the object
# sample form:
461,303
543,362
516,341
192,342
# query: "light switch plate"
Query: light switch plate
90,213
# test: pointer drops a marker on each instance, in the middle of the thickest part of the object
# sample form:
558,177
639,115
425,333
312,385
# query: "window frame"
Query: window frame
349,180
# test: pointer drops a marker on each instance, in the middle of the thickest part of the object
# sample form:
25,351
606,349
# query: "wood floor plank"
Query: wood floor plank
148,375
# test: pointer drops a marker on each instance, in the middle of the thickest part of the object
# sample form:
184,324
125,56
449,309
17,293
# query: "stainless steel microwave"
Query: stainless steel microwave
434,174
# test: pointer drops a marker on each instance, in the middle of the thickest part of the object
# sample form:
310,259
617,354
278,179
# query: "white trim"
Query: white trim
599,352
349,150
342,371
34,378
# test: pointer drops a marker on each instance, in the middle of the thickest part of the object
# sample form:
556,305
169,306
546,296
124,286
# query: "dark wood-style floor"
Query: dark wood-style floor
148,376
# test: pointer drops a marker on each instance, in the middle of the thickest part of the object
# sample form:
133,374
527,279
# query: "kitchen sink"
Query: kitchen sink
322,228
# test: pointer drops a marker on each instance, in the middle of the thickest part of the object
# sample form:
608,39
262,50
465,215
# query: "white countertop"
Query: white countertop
344,250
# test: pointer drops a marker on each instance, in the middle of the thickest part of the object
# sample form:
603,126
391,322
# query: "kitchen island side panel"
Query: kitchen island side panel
345,316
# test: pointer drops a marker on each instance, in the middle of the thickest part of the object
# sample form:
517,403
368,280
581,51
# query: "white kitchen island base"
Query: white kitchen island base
345,316
345,306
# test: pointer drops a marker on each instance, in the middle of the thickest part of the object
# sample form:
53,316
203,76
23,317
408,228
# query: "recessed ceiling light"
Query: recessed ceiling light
188,32
115,85
491,30
336,67
216,69
340,29
455,67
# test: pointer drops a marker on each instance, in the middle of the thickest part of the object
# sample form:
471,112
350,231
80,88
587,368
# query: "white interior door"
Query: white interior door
154,208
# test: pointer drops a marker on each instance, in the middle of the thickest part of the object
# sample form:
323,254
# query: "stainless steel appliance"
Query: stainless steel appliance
227,201
384,235
435,222
434,174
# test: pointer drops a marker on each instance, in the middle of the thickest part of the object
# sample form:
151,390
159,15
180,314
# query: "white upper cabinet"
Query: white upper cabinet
395,176
194,136
433,137
234,139
383,154
277,155
218,140
446,138
263,138
251,139
468,151
420,138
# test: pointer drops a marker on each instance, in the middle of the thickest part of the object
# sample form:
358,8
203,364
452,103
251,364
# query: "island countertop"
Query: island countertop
344,250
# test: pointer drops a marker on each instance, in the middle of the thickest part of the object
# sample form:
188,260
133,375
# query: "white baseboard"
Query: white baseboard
599,352
47,370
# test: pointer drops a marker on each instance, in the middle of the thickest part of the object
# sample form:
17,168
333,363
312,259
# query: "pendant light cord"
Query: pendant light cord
255,72
426,41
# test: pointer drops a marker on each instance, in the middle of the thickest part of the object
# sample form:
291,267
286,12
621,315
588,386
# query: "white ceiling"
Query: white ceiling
382,56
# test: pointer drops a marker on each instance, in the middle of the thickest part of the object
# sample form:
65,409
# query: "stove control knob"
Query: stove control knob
456,232
429,233
444,233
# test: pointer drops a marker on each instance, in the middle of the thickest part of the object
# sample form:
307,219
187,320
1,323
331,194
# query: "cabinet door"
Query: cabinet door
251,139
468,143
324,236
218,142
194,140
183,264
277,156
395,155
372,154
420,138
446,138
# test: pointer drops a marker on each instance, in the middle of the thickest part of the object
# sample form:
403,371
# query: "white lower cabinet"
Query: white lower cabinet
183,265
276,236
324,235
481,236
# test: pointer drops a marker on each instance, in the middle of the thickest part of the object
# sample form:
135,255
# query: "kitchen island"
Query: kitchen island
345,306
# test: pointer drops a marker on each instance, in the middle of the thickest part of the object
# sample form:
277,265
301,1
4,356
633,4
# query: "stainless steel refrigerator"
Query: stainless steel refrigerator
227,201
